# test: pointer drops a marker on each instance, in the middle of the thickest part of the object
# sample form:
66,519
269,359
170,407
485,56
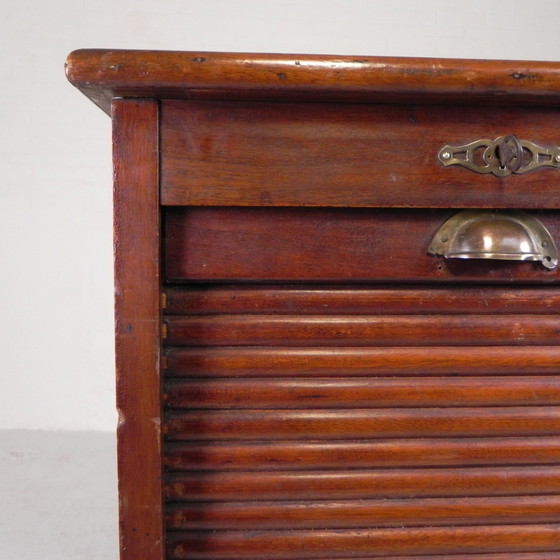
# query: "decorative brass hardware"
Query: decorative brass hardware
502,157
510,235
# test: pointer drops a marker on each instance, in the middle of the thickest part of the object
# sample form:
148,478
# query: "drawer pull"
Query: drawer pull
499,235
502,157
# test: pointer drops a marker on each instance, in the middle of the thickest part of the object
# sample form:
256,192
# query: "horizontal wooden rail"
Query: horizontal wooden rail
488,556
491,556
395,300
320,544
310,455
363,513
362,361
362,484
369,330
360,392
361,423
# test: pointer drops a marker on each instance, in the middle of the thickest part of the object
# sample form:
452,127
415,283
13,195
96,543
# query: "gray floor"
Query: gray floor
59,496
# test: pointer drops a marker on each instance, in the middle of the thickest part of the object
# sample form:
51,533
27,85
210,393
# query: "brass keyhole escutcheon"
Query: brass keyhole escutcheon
503,156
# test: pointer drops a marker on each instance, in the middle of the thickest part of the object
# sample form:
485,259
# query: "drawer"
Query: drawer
311,154
328,245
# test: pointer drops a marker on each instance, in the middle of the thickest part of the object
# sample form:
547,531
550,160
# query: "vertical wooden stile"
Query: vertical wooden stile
137,300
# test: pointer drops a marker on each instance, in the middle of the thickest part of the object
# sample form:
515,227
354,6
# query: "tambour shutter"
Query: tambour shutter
324,420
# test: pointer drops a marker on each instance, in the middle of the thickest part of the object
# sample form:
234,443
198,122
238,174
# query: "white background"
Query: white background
56,302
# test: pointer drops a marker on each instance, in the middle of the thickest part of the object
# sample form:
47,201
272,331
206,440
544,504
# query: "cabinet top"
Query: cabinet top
106,74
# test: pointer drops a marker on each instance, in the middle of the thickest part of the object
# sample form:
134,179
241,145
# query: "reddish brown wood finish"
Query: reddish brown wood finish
348,300
360,361
498,556
331,390
321,424
273,450
318,244
361,484
104,74
348,392
291,545
138,328
345,514
248,154
271,456
363,330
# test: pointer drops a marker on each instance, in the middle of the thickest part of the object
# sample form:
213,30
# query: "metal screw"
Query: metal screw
557,158
447,155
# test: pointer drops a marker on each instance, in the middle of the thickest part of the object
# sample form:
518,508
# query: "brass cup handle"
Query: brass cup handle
511,235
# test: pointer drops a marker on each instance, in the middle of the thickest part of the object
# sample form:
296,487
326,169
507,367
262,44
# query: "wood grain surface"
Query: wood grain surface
361,361
335,245
137,324
491,556
297,378
367,454
106,73
348,484
248,154
364,330
346,514
359,423
439,416
348,392
360,300
268,428
496,556
289,545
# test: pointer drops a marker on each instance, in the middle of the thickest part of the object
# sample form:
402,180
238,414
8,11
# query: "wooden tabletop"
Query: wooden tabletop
106,74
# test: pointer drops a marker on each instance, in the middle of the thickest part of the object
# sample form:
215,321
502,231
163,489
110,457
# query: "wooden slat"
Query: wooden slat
362,392
360,361
361,423
491,556
288,545
363,513
330,245
363,330
137,301
281,154
310,455
362,484
210,300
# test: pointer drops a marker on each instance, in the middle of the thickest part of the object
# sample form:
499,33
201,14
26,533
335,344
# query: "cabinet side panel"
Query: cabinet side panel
136,200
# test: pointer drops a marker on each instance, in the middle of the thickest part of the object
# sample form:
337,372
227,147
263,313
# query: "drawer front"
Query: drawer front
281,154
328,245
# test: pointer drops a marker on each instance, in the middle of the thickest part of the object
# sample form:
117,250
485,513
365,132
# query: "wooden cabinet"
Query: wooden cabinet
298,376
